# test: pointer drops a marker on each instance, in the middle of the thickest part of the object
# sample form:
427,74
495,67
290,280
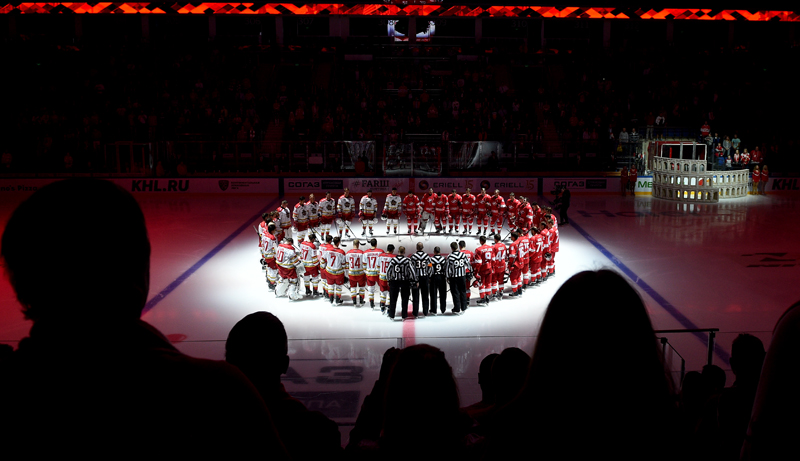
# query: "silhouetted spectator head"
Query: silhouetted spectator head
774,425
485,380
714,379
420,368
95,232
747,357
509,371
580,388
389,358
258,346
693,387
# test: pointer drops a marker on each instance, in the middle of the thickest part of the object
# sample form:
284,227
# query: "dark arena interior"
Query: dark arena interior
385,229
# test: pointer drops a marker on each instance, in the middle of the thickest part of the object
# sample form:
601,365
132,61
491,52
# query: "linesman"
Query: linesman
456,271
438,281
401,275
422,265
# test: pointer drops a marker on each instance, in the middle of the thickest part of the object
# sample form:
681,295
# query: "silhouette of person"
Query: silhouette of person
436,409
773,429
258,346
573,406
363,443
723,424
487,385
92,379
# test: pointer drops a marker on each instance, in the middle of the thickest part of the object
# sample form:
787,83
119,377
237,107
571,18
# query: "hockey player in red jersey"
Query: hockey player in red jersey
499,269
537,255
428,202
354,261
545,233
454,210
391,210
554,244
411,206
441,205
468,202
514,265
484,257
512,208
482,207
538,214
525,217
525,258
498,209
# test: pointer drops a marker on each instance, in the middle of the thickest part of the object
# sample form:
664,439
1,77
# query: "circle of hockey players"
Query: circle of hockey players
311,250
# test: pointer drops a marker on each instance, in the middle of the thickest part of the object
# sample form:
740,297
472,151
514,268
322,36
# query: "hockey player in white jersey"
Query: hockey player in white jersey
368,207
300,219
309,254
327,210
391,210
290,270
268,246
345,207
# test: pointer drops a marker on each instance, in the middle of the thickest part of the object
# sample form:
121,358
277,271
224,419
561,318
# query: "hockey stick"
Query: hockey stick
337,231
348,228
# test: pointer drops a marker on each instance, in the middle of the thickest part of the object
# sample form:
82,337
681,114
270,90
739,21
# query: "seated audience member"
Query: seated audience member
369,423
258,346
93,380
713,379
693,397
723,424
429,424
509,372
773,429
579,404
486,384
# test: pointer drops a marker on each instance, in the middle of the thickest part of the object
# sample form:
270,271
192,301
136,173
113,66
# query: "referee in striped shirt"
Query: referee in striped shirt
401,275
437,282
422,264
456,271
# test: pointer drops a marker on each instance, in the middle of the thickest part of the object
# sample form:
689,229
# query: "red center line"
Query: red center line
409,337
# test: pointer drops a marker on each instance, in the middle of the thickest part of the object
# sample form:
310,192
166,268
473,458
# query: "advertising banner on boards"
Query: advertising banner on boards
167,185
337,185
520,186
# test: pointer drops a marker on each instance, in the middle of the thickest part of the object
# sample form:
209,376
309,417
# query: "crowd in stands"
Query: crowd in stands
60,393
586,100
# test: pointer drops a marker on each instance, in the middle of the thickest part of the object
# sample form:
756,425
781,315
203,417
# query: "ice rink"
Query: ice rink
734,266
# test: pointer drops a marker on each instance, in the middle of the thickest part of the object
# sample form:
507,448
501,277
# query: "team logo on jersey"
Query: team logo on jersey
223,184
423,185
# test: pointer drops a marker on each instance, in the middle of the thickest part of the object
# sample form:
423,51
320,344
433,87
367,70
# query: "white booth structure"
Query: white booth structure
689,181
680,173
